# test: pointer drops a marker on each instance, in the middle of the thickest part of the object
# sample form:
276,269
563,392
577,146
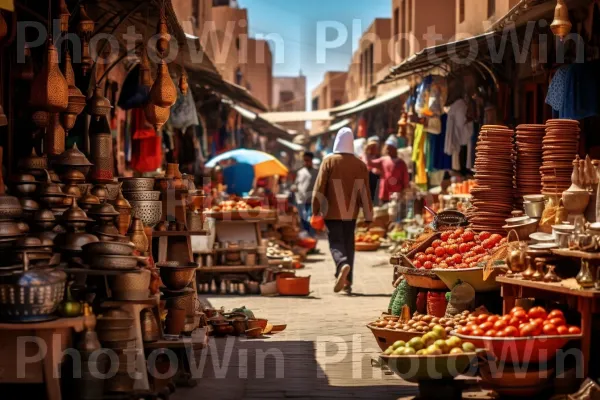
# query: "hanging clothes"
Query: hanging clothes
419,155
183,112
574,90
441,161
146,147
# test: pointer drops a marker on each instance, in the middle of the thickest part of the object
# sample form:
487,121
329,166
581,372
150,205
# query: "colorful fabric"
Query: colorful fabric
419,155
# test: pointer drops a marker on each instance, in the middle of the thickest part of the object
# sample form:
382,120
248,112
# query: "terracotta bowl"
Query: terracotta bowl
257,323
254,332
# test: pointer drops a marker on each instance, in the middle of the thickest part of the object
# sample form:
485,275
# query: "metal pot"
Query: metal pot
30,295
115,334
150,330
113,262
109,248
131,282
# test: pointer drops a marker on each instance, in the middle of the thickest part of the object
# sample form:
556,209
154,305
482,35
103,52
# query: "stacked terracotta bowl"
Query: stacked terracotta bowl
559,146
492,196
529,160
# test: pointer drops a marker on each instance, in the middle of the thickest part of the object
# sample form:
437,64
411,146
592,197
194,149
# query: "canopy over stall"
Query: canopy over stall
376,101
264,164
261,125
333,127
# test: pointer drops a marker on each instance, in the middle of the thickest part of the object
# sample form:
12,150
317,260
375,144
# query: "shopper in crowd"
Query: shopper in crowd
303,188
394,172
341,190
372,152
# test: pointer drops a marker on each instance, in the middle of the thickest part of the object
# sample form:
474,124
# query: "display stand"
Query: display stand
47,370
587,303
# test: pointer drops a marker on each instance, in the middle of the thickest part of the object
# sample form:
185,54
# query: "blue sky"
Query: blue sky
296,23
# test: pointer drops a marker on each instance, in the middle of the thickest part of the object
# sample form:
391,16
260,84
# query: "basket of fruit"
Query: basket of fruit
388,329
472,276
366,242
431,356
534,336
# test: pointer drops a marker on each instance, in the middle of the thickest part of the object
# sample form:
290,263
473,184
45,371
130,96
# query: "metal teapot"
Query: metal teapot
516,260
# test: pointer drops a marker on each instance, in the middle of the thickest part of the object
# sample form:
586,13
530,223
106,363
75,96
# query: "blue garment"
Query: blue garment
441,161
238,178
574,91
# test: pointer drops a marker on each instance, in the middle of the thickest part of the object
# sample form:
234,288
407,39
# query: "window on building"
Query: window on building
315,103
371,69
217,3
396,22
409,15
491,8
196,12
238,76
461,10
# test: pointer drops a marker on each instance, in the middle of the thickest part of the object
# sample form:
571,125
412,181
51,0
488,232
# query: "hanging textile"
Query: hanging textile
574,90
419,155
431,96
362,131
146,148
441,160
183,112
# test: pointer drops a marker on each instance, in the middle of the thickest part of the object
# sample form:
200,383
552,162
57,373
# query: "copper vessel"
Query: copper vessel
561,26
100,191
124,208
150,330
98,105
55,137
145,73
156,115
163,92
34,164
162,44
183,83
76,98
49,90
89,200
24,71
137,235
102,155
41,119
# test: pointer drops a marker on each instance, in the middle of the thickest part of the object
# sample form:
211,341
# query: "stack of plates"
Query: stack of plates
559,146
529,161
492,196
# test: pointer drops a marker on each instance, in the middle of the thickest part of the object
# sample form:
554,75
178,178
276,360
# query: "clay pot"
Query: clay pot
175,321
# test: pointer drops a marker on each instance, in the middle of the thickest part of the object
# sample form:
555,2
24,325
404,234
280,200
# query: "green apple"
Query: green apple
399,343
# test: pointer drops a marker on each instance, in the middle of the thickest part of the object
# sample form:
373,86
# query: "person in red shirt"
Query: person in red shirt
393,171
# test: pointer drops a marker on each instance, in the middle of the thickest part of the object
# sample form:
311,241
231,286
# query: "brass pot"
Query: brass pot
72,159
98,105
150,330
34,164
115,334
109,248
176,278
131,281
138,236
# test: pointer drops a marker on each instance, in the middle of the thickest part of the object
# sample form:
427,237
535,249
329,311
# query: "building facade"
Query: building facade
474,17
330,93
289,94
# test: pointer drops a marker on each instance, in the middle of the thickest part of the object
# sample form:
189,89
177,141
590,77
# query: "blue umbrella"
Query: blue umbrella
264,164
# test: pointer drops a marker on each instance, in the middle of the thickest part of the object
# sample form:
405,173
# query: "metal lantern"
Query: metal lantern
145,74
98,105
54,142
49,90
156,115
561,26
162,44
64,16
163,92
24,71
183,83
85,29
76,98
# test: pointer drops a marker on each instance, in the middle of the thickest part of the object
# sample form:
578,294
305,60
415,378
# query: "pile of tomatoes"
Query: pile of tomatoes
458,249
519,323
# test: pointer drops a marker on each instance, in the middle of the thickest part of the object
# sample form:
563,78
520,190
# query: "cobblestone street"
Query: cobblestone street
325,352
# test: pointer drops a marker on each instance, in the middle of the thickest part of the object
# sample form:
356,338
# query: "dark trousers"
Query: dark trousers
341,244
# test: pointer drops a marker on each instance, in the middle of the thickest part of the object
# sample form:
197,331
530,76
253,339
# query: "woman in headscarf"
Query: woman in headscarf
341,189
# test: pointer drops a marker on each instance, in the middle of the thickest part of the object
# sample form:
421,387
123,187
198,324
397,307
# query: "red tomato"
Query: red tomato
477,332
486,326
491,333
430,257
464,330
459,231
493,318
443,265
511,331
562,330
506,318
537,312
515,322
445,236
463,248
459,241
438,260
478,250
440,251
574,330
549,329
430,250
481,318
557,321
451,241
452,249
436,243
484,235
469,254
419,255
463,265
500,334
500,325
556,314
487,244
457,258
473,264
468,236
453,236
538,321
422,258
520,314
538,328
428,265
527,330
496,238
515,309
418,264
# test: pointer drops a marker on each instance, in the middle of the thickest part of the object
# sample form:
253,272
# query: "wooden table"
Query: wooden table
586,301
56,335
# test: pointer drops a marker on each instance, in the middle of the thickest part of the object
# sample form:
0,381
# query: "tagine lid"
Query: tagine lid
44,215
75,214
104,210
33,161
73,156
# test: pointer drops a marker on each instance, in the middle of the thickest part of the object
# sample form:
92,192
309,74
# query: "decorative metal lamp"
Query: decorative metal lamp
85,29
561,26
163,92
49,90
76,98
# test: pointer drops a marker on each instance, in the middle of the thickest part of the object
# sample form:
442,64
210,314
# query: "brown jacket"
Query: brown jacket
342,188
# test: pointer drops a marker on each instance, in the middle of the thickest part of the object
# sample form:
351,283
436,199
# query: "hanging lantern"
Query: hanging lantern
183,83
49,90
76,98
54,144
98,105
24,70
561,26
85,29
145,74
162,44
41,119
163,92
156,115
64,16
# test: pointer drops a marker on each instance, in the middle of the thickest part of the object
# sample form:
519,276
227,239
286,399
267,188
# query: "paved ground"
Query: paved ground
325,351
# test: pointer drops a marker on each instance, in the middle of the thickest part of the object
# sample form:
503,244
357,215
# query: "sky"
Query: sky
298,22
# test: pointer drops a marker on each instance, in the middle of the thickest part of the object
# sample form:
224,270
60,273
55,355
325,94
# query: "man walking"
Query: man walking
341,190
304,185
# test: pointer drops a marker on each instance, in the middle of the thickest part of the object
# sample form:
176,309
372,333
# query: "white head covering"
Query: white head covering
392,141
344,141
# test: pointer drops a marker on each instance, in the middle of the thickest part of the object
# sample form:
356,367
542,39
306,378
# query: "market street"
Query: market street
323,317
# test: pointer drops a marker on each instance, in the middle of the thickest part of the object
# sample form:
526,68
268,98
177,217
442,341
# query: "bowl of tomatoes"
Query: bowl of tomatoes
520,336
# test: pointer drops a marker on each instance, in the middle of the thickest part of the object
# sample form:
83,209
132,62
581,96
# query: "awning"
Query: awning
262,126
384,98
292,146
523,12
297,116
458,52
333,127
347,106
